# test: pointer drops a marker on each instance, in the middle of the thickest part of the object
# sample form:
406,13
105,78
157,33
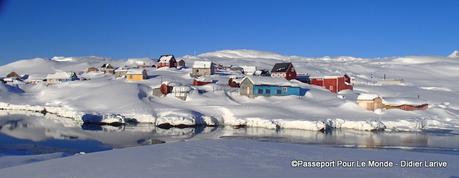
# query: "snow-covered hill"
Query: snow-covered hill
454,54
431,78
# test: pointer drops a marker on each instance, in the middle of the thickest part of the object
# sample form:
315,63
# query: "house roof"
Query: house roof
258,80
181,89
61,75
135,71
365,96
397,101
202,64
107,66
166,58
13,75
249,69
281,67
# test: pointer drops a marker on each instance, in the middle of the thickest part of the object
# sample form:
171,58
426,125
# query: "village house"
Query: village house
121,72
370,102
404,103
177,90
333,83
374,102
60,77
284,70
249,70
166,61
202,68
252,86
136,74
92,69
35,79
107,69
12,77
181,64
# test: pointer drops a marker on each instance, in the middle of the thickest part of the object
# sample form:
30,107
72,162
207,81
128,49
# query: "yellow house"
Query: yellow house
136,74
370,102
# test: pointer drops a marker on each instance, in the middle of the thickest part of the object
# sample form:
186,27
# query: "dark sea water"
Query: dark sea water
32,135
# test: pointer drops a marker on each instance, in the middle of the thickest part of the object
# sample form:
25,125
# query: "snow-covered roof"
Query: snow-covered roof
249,69
365,96
35,77
258,80
202,64
281,67
60,75
204,79
181,89
135,71
165,58
397,101
120,69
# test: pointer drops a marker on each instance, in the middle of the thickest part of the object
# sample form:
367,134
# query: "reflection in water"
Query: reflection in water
32,134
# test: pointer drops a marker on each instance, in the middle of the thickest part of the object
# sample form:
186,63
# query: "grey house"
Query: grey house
202,68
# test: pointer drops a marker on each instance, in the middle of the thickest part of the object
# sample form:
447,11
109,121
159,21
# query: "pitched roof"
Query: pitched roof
281,67
259,80
107,66
202,64
13,75
135,71
166,58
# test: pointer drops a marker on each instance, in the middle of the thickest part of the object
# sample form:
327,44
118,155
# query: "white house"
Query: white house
59,77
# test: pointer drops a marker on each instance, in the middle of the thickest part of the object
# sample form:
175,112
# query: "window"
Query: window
268,91
260,91
284,89
279,91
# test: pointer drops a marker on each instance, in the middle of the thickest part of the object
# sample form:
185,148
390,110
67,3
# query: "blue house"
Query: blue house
267,86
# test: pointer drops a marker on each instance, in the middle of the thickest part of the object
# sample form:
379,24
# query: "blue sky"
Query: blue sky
121,29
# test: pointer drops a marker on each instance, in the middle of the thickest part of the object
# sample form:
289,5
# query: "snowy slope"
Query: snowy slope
433,79
230,158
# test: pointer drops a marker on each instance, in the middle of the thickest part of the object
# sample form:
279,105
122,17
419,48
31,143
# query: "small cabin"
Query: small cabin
268,86
107,68
35,79
249,70
136,74
370,102
12,77
121,72
60,77
333,83
283,70
202,68
166,61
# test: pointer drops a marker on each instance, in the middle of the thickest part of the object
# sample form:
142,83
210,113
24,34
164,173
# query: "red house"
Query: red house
167,61
333,83
284,70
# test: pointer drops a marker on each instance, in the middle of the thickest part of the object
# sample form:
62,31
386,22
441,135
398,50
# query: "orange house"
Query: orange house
136,74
